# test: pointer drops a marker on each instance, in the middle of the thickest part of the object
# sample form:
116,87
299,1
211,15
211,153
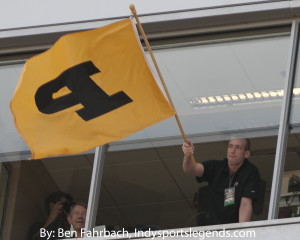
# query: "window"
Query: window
289,205
219,88
213,80
33,180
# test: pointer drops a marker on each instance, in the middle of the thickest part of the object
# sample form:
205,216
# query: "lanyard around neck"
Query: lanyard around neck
231,178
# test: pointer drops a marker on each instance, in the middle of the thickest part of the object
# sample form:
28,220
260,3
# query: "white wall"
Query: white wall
20,13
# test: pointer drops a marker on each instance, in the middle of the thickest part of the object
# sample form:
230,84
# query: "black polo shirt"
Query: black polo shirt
245,180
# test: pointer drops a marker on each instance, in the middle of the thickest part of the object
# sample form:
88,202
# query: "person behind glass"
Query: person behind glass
233,182
57,206
77,218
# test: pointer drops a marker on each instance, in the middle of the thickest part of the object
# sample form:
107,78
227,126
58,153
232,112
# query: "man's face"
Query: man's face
77,217
236,152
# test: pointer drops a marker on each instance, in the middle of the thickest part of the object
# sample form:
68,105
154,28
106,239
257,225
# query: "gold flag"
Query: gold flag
89,89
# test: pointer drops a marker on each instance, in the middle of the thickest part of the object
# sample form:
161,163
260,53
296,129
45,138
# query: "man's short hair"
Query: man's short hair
247,140
74,204
55,197
248,144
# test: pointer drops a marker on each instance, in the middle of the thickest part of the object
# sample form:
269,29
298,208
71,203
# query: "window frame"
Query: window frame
8,183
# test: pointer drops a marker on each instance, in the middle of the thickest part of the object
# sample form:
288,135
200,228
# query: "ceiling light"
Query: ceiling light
257,94
242,96
211,99
296,91
227,98
219,99
204,100
234,97
249,95
280,93
265,94
273,93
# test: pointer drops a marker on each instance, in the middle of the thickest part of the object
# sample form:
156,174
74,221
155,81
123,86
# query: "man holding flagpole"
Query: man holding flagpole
233,182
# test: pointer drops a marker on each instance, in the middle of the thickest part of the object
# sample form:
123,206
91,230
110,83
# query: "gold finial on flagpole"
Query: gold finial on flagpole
132,8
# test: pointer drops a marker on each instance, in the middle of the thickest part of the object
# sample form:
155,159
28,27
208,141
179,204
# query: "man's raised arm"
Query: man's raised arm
189,166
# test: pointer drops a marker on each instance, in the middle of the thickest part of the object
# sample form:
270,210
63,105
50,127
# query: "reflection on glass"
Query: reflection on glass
241,98
243,78
289,205
209,82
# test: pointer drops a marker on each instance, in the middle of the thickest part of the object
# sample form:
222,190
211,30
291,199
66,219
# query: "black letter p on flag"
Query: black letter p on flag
83,89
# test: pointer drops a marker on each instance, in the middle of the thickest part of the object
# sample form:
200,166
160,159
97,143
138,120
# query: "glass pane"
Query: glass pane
289,205
218,88
243,78
147,188
10,140
290,191
33,181
216,81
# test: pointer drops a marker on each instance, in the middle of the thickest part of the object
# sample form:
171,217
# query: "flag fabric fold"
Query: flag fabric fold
90,88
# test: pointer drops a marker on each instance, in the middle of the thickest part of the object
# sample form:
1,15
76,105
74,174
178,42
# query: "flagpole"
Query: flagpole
133,11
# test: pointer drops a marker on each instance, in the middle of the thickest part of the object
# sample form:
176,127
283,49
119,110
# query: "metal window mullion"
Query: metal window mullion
13,62
95,186
284,123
